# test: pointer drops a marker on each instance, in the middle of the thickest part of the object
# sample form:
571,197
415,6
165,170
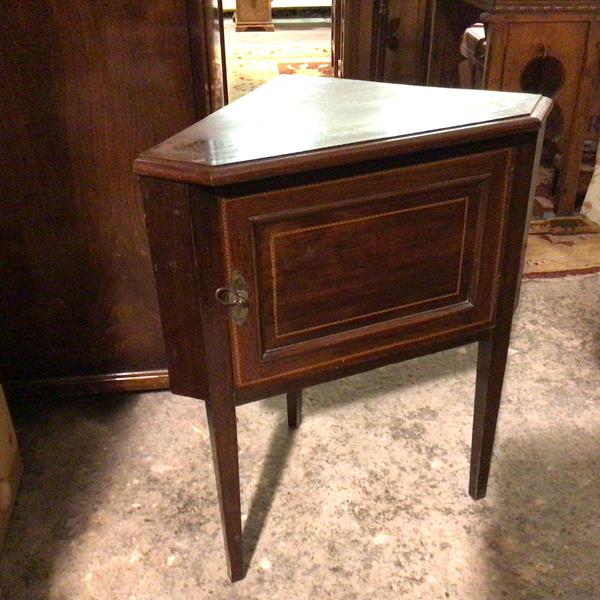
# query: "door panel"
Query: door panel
364,265
207,50
335,250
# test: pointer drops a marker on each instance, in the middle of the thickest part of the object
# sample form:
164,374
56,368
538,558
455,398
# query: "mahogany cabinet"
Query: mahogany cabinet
365,228
85,87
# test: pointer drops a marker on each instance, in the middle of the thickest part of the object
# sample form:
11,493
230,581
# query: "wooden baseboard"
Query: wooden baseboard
14,478
83,385
575,225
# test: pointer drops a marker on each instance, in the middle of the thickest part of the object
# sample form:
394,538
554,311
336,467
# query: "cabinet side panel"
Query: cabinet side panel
168,223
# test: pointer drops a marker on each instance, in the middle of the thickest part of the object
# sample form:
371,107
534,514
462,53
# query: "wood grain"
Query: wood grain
255,137
386,308
171,238
493,349
86,86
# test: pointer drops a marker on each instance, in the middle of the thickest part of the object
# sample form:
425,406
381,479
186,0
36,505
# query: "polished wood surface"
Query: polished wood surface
292,116
340,261
86,86
87,385
170,237
423,226
345,242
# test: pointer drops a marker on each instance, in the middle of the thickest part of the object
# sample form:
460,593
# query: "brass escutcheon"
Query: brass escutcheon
235,297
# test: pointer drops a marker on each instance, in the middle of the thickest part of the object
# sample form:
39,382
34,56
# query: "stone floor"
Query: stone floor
366,500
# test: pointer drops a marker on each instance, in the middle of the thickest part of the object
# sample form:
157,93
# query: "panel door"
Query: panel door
357,267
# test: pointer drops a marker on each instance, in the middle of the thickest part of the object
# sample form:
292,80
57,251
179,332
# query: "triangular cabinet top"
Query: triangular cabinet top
295,123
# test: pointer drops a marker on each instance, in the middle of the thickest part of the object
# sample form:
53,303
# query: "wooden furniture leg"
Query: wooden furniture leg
491,363
223,438
493,350
294,409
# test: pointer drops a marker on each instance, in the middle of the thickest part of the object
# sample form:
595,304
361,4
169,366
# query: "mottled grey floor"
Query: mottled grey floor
367,500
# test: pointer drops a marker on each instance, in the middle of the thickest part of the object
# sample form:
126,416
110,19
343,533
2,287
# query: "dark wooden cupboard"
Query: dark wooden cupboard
381,40
85,87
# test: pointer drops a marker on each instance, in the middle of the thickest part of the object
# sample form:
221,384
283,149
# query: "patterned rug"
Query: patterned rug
550,256
316,69
253,58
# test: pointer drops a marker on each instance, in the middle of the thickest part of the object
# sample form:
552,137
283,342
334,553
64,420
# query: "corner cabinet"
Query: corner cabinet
381,230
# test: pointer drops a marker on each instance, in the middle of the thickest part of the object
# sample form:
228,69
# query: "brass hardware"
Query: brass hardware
234,296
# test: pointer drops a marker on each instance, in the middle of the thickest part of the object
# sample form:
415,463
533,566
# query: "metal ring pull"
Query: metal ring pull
235,296
228,297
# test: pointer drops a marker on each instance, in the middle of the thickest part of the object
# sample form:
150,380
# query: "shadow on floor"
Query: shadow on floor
68,448
366,386
545,536
359,388
273,465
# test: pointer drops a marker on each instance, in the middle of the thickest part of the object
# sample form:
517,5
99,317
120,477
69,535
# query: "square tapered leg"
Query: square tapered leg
491,364
223,436
294,409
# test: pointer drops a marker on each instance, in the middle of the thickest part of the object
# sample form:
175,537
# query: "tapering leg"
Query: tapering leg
223,436
493,350
294,408
491,364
